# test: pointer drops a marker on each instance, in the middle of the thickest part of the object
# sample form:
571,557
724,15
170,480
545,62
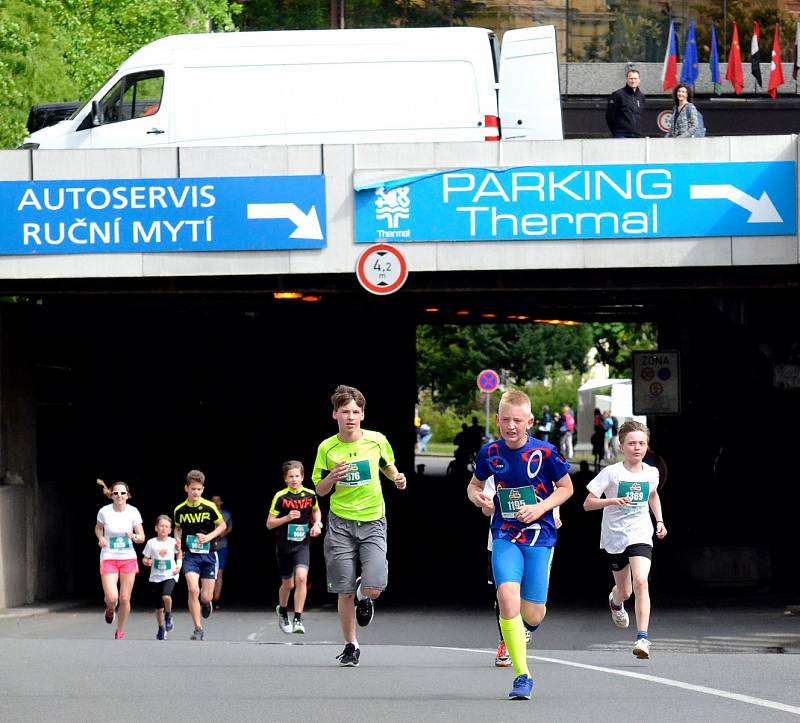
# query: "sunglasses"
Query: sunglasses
119,494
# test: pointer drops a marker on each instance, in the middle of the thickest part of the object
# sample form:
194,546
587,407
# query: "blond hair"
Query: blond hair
515,398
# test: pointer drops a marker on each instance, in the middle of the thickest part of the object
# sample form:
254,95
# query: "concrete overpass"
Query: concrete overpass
140,366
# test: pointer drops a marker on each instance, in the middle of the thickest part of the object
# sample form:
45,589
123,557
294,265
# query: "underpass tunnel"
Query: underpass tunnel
144,384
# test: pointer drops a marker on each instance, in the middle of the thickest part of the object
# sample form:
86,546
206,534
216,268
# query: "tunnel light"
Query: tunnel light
311,297
523,317
488,315
462,312
432,310
557,322
286,295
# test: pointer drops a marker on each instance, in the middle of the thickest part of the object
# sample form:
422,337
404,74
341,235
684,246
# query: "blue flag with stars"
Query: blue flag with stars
715,62
691,67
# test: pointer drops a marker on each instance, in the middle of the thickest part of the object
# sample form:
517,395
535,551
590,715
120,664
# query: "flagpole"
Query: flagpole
724,28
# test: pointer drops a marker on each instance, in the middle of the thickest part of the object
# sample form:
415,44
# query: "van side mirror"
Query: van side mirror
98,117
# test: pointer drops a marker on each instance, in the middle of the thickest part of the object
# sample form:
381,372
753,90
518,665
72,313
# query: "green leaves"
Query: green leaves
63,50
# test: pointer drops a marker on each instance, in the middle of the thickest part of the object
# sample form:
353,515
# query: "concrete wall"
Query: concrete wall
601,78
343,164
18,520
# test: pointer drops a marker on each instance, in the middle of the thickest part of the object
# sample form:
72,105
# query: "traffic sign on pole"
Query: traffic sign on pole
488,380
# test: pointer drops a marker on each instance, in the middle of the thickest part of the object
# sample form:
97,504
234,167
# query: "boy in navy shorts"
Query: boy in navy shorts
531,479
295,516
198,523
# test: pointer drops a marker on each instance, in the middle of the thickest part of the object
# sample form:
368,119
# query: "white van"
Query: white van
323,86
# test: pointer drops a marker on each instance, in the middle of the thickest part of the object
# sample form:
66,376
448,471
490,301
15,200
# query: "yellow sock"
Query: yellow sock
514,637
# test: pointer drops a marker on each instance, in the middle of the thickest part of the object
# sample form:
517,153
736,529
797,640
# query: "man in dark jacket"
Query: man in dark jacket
625,107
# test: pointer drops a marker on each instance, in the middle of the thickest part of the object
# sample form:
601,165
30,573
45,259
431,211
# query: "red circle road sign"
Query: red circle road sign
488,380
381,269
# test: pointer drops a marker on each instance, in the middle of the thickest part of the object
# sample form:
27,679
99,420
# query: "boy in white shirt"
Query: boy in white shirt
164,560
626,491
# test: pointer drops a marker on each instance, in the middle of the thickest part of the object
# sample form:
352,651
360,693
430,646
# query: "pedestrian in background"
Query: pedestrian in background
625,108
684,114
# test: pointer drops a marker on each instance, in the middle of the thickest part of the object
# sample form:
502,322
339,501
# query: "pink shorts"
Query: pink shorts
111,567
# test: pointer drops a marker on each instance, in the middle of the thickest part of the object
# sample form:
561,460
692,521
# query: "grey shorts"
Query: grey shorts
346,543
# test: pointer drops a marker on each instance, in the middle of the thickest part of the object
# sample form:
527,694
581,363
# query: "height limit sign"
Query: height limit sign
381,269
656,382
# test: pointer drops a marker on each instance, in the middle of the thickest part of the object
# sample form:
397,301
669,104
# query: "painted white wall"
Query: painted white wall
343,165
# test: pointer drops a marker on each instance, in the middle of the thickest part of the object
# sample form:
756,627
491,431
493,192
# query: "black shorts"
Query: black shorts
160,590
619,561
290,556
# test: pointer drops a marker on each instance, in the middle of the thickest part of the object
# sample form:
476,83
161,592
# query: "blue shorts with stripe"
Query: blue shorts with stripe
525,565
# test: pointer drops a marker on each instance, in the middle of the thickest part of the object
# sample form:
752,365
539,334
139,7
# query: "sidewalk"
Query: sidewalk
43,608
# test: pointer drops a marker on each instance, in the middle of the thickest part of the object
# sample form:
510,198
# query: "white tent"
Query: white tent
619,403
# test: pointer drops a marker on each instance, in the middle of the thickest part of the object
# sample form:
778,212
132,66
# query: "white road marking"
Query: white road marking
254,636
763,703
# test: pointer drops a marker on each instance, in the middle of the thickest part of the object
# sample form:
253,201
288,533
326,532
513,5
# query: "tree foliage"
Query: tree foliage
616,342
450,357
62,50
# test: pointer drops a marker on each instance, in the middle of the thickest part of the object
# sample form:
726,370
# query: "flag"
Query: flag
714,63
775,65
755,58
690,68
734,71
669,73
796,51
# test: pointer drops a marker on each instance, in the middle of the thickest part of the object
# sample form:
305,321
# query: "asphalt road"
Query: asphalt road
726,663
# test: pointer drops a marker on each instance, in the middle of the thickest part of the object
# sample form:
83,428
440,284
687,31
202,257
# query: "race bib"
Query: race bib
512,499
358,473
638,492
162,564
119,542
296,533
196,546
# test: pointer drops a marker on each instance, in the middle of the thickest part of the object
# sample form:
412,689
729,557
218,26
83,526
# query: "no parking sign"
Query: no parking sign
488,380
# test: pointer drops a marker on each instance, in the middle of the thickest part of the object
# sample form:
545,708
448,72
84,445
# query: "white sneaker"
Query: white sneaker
620,617
641,648
528,636
298,627
283,621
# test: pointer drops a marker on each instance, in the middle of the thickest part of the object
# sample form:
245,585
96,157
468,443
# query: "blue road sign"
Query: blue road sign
162,214
582,202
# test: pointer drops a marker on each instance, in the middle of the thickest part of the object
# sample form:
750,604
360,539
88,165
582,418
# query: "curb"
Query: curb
29,611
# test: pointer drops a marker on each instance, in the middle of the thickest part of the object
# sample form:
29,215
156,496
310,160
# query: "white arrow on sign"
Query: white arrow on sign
761,210
307,223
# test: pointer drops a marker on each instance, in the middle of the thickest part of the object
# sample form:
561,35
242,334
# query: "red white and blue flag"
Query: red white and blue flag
669,73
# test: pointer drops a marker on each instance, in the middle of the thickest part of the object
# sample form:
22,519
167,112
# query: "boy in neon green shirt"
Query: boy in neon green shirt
350,463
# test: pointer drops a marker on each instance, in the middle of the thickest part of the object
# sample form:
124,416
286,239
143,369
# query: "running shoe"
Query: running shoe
109,616
364,608
523,685
620,617
168,625
161,634
348,658
206,608
641,649
119,635
283,621
298,627
197,634
502,659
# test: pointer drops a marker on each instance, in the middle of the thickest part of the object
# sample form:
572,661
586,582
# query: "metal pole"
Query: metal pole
487,397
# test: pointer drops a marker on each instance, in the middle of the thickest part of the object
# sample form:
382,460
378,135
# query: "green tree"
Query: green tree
616,341
63,50
450,357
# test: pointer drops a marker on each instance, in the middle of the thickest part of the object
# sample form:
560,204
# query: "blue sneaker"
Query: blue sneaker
161,634
523,685
168,625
